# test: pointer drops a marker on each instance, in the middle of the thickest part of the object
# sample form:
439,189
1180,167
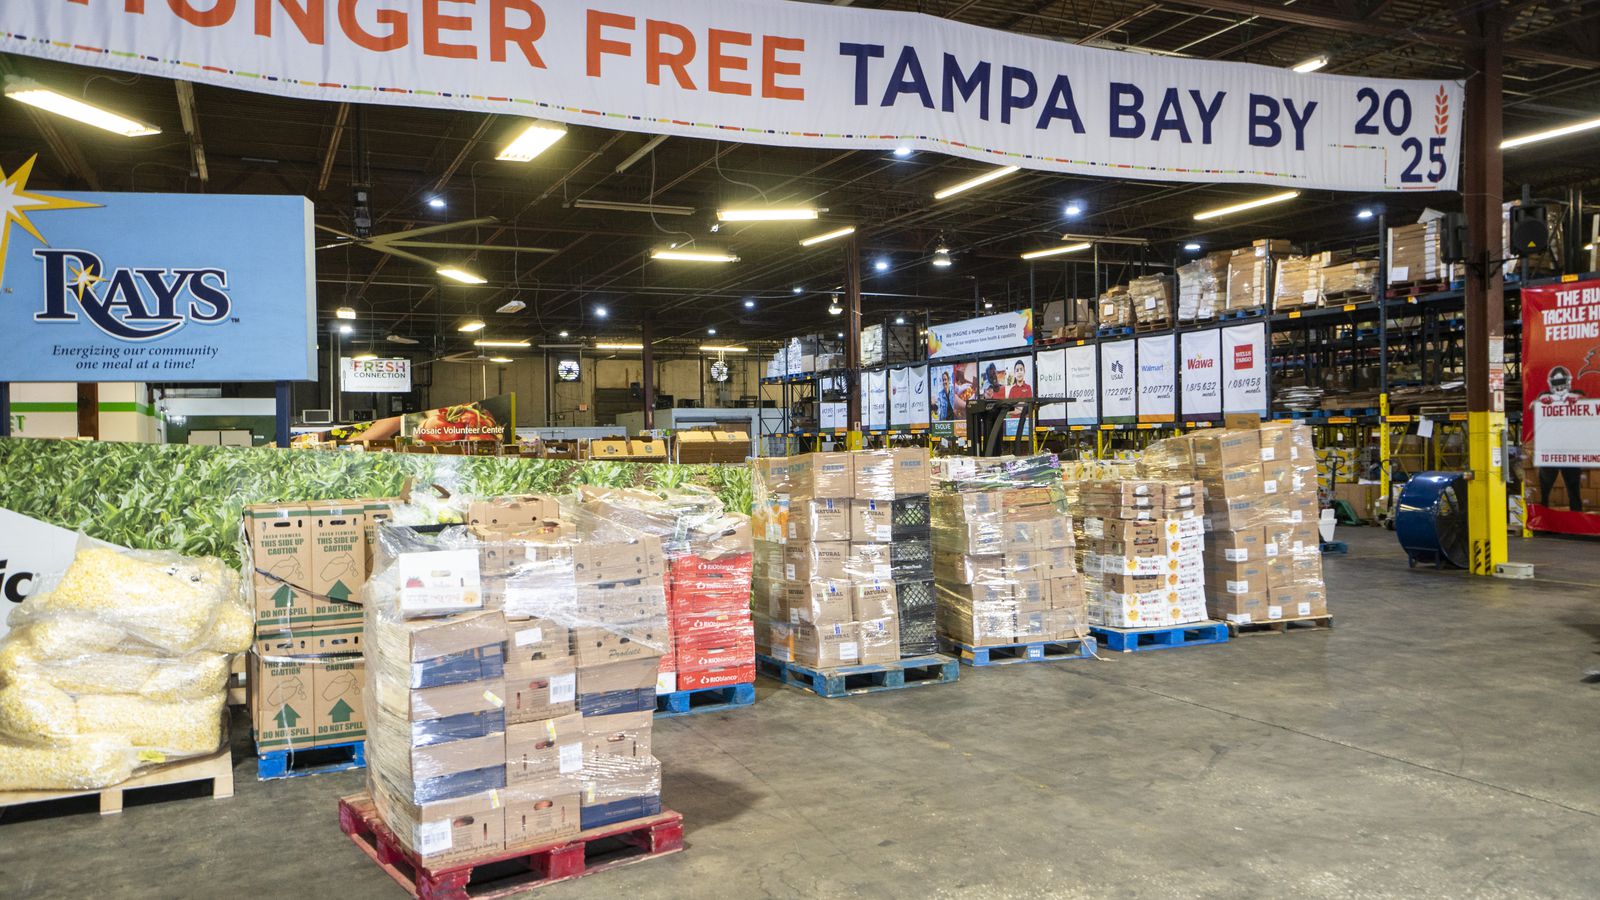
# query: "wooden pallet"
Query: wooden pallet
846,681
1281,626
1346,298
1131,640
1250,313
216,768
1009,654
1413,288
585,853
1148,327
712,699
236,682
272,765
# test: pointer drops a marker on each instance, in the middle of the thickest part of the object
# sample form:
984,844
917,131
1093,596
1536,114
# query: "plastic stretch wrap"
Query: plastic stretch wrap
1202,287
1003,551
1142,551
75,764
135,671
610,779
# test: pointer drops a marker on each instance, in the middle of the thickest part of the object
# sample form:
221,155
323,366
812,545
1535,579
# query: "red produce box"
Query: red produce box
735,653
707,678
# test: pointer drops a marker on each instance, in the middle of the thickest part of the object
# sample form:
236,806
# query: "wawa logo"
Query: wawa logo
1199,362
129,304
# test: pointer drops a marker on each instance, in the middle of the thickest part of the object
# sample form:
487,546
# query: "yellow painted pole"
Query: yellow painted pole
1486,492
1383,449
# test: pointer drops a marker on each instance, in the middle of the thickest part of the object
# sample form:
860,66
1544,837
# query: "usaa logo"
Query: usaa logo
130,304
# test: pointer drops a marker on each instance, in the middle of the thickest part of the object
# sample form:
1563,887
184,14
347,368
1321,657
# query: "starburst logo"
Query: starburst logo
16,202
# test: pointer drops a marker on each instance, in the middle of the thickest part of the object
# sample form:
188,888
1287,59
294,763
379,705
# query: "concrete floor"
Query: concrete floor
1440,742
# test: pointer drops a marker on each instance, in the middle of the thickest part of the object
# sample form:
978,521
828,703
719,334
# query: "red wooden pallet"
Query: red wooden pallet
564,860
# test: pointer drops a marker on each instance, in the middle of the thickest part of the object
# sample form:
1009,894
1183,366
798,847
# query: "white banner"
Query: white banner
1001,332
793,74
375,376
1083,385
918,408
1244,369
30,550
1052,376
877,399
1201,374
1118,397
1157,380
899,397
1567,433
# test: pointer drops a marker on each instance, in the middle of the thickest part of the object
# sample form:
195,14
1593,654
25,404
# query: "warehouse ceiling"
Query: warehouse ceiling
564,262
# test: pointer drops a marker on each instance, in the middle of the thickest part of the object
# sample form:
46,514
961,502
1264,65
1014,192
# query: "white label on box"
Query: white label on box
433,837
1268,454
1238,587
1240,619
1294,452
439,581
1399,273
793,530
1269,487
1305,609
885,533
788,571
1149,303
571,756
1299,547
849,650
782,653
881,570
1274,612
1272,549
1236,554
528,635
563,688
1295,516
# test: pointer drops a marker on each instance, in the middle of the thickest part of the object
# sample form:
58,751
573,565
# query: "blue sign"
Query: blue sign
155,287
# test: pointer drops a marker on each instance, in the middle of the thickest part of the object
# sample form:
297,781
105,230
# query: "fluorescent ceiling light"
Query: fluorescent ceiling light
941,258
621,206
1364,214
1192,247
797,289
471,326
881,265
640,153
1057,251
436,202
749,304
365,357
534,140
500,359
619,346
462,275
500,343
980,181
345,312
718,348
345,329
1311,65
37,95
902,152
899,320
767,214
1248,204
1547,134
711,331
600,312
562,334
1074,208
512,306
825,237
702,256
401,339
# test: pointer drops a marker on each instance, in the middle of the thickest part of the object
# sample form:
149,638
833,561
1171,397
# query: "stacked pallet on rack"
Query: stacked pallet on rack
1415,258
1116,310
843,566
467,768
1249,274
1203,287
1004,562
305,564
710,663
1151,299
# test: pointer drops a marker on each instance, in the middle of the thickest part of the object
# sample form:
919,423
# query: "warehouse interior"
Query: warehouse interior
1437,742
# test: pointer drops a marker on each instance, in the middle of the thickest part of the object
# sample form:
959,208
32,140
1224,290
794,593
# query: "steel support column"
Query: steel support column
647,380
852,336
1485,293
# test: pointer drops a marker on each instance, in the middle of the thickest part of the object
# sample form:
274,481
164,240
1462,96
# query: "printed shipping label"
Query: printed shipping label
849,650
439,581
433,837
529,636
563,688
571,756
1236,554
1272,549
1268,454
1305,609
1274,612
1238,587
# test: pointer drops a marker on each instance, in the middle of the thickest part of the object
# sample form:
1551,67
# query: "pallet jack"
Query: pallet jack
986,424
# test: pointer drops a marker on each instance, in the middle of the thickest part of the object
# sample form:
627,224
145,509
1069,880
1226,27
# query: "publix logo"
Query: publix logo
129,304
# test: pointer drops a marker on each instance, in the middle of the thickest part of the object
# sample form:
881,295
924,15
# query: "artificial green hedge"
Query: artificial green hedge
189,499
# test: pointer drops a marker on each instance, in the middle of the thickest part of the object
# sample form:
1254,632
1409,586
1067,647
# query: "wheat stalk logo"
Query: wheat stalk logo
1441,112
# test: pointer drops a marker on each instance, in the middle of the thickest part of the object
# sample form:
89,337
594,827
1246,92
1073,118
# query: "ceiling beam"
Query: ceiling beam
340,116
1374,28
190,114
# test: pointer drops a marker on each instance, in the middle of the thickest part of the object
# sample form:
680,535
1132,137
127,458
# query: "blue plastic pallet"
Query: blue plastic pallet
845,681
1130,640
1117,331
1006,654
1339,548
1242,313
275,764
712,699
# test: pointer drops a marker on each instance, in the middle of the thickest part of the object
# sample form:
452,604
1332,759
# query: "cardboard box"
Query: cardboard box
453,650
827,646
872,521
536,640
1238,579
812,521
869,561
541,812
772,471
963,568
439,582
538,690
1240,546
822,561
279,538
338,561
280,698
621,734
874,474
873,601
608,449
912,471
1215,451
821,475
374,513
723,677
460,830
536,751
819,603
880,640
619,686
512,513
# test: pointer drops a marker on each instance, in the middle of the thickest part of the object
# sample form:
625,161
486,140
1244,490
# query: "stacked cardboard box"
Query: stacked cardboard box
1067,318
1203,287
511,682
702,446
708,552
842,569
1249,281
1116,308
305,564
1151,299
1358,276
1004,560
1263,553
1296,284
1414,253
1143,543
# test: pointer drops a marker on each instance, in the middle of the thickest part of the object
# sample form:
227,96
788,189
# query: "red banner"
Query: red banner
1561,406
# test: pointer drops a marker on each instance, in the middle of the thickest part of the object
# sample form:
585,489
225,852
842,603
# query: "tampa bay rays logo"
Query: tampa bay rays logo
126,303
